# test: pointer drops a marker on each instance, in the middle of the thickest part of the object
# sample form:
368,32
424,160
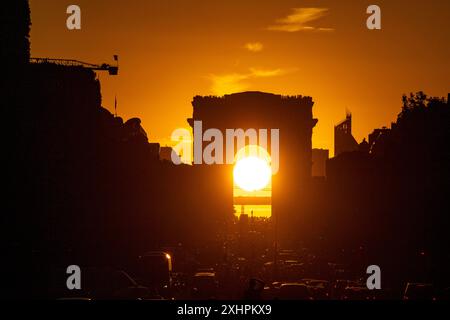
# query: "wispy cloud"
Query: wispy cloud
300,19
265,73
237,82
254,46
325,29
228,83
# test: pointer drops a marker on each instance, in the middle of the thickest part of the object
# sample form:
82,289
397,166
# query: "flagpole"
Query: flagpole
115,106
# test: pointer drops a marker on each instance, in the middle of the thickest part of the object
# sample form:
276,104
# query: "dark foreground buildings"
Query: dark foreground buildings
80,180
389,197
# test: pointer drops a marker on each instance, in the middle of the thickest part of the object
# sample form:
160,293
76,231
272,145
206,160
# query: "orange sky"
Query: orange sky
171,50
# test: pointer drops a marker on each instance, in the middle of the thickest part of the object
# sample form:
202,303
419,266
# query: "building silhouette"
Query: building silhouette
343,138
319,162
15,24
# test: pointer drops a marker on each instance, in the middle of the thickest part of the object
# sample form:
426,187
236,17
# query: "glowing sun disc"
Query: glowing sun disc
252,173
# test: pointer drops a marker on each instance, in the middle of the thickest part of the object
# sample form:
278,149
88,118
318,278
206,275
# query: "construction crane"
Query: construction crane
112,70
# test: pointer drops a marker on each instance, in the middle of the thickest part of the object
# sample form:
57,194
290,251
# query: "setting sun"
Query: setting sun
252,173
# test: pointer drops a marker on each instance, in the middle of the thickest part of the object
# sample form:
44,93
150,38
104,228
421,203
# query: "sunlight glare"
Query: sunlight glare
252,172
